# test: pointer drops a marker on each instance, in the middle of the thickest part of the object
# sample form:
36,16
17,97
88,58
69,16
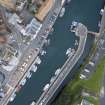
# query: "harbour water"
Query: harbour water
85,11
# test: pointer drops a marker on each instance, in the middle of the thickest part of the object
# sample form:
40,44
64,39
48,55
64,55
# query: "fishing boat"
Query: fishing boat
38,60
46,87
101,11
29,74
76,42
68,51
52,79
62,12
12,97
57,71
22,83
73,26
33,103
43,52
34,68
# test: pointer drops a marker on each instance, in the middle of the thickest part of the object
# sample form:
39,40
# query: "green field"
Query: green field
94,82
71,95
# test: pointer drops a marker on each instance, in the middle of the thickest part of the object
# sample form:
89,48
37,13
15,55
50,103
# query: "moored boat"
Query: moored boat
46,87
38,60
29,74
34,68
22,83
57,71
62,12
12,97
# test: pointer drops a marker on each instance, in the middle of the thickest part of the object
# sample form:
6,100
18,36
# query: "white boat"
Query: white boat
62,12
12,97
23,82
46,87
52,79
38,60
74,23
76,42
34,68
47,42
33,103
57,71
29,74
101,11
68,51
43,52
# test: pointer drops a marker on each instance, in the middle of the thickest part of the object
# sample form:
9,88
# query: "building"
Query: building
20,4
8,51
3,28
44,9
9,4
32,28
13,4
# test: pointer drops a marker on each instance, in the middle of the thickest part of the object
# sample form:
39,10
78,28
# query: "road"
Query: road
66,69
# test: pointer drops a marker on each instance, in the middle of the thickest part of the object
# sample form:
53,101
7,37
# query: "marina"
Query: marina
55,56
76,42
